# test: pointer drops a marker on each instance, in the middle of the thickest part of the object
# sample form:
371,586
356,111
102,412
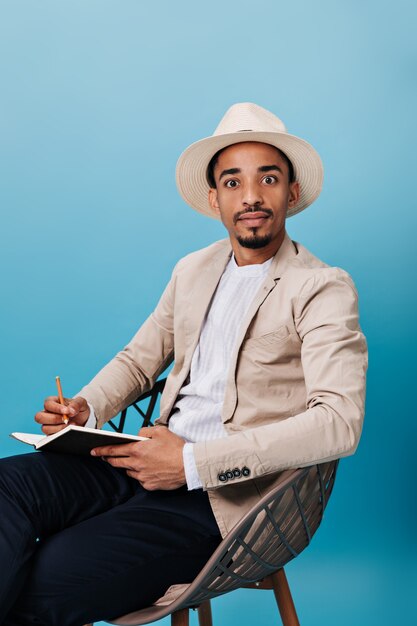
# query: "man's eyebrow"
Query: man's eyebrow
263,168
232,170
270,168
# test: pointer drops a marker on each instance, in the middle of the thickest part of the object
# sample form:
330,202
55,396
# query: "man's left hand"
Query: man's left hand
156,463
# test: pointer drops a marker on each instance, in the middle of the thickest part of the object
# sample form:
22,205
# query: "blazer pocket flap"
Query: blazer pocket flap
268,339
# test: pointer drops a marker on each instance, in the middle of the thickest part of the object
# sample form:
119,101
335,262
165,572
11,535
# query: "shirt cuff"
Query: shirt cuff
92,420
190,468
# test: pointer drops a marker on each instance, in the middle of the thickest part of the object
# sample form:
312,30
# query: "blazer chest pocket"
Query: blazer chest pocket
270,339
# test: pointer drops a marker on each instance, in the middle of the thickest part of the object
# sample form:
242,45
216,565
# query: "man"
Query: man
269,373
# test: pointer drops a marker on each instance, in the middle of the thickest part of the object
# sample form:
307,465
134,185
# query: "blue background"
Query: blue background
97,100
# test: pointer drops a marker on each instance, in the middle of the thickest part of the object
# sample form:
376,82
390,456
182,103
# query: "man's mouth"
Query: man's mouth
253,219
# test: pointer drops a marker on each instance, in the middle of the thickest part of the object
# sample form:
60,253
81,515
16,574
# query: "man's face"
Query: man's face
253,194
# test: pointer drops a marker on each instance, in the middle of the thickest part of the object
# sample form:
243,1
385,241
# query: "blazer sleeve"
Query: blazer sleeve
334,361
136,368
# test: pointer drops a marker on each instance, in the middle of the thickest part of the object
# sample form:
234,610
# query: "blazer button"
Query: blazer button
237,473
229,474
245,471
222,477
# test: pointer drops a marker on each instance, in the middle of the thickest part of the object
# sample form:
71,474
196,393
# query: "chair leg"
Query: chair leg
180,618
284,599
204,614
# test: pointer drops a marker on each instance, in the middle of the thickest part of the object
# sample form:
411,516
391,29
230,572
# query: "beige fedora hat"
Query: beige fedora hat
248,122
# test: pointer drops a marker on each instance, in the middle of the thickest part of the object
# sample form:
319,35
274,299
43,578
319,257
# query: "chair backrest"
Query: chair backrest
284,520
144,412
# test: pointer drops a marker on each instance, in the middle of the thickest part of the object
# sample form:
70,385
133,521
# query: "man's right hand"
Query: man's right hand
52,417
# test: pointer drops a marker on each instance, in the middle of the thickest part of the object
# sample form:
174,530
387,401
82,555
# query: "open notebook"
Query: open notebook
75,439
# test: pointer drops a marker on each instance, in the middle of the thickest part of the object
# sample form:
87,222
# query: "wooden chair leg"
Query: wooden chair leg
284,599
204,614
180,618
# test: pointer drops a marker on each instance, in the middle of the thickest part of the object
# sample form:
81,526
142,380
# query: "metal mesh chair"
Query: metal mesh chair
254,553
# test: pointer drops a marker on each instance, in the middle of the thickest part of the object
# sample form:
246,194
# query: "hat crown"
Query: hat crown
246,116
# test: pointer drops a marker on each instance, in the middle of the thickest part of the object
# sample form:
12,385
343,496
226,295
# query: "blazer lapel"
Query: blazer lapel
201,295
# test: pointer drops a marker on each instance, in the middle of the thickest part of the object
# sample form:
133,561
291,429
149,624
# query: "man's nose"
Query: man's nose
251,195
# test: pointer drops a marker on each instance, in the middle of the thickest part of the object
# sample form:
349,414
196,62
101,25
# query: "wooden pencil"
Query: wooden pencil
60,396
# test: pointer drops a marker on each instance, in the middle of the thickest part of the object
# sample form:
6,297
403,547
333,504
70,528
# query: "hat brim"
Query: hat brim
191,171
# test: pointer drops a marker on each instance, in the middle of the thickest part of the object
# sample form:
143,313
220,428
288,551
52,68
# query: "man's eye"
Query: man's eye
231,184
270,180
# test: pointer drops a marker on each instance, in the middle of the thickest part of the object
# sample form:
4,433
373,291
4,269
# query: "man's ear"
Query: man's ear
294,195
212,198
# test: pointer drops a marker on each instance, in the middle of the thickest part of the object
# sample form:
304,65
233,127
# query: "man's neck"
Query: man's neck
252,256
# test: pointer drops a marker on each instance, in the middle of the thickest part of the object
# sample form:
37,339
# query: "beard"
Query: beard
254,241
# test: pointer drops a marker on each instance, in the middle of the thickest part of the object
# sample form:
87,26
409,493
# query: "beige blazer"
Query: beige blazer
296,384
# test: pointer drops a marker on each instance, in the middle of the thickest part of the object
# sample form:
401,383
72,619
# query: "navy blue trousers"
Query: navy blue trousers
80,541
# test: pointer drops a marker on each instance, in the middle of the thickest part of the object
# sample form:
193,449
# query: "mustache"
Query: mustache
252,209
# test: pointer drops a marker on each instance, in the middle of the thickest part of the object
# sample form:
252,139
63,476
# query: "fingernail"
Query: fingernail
71,410
93,453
